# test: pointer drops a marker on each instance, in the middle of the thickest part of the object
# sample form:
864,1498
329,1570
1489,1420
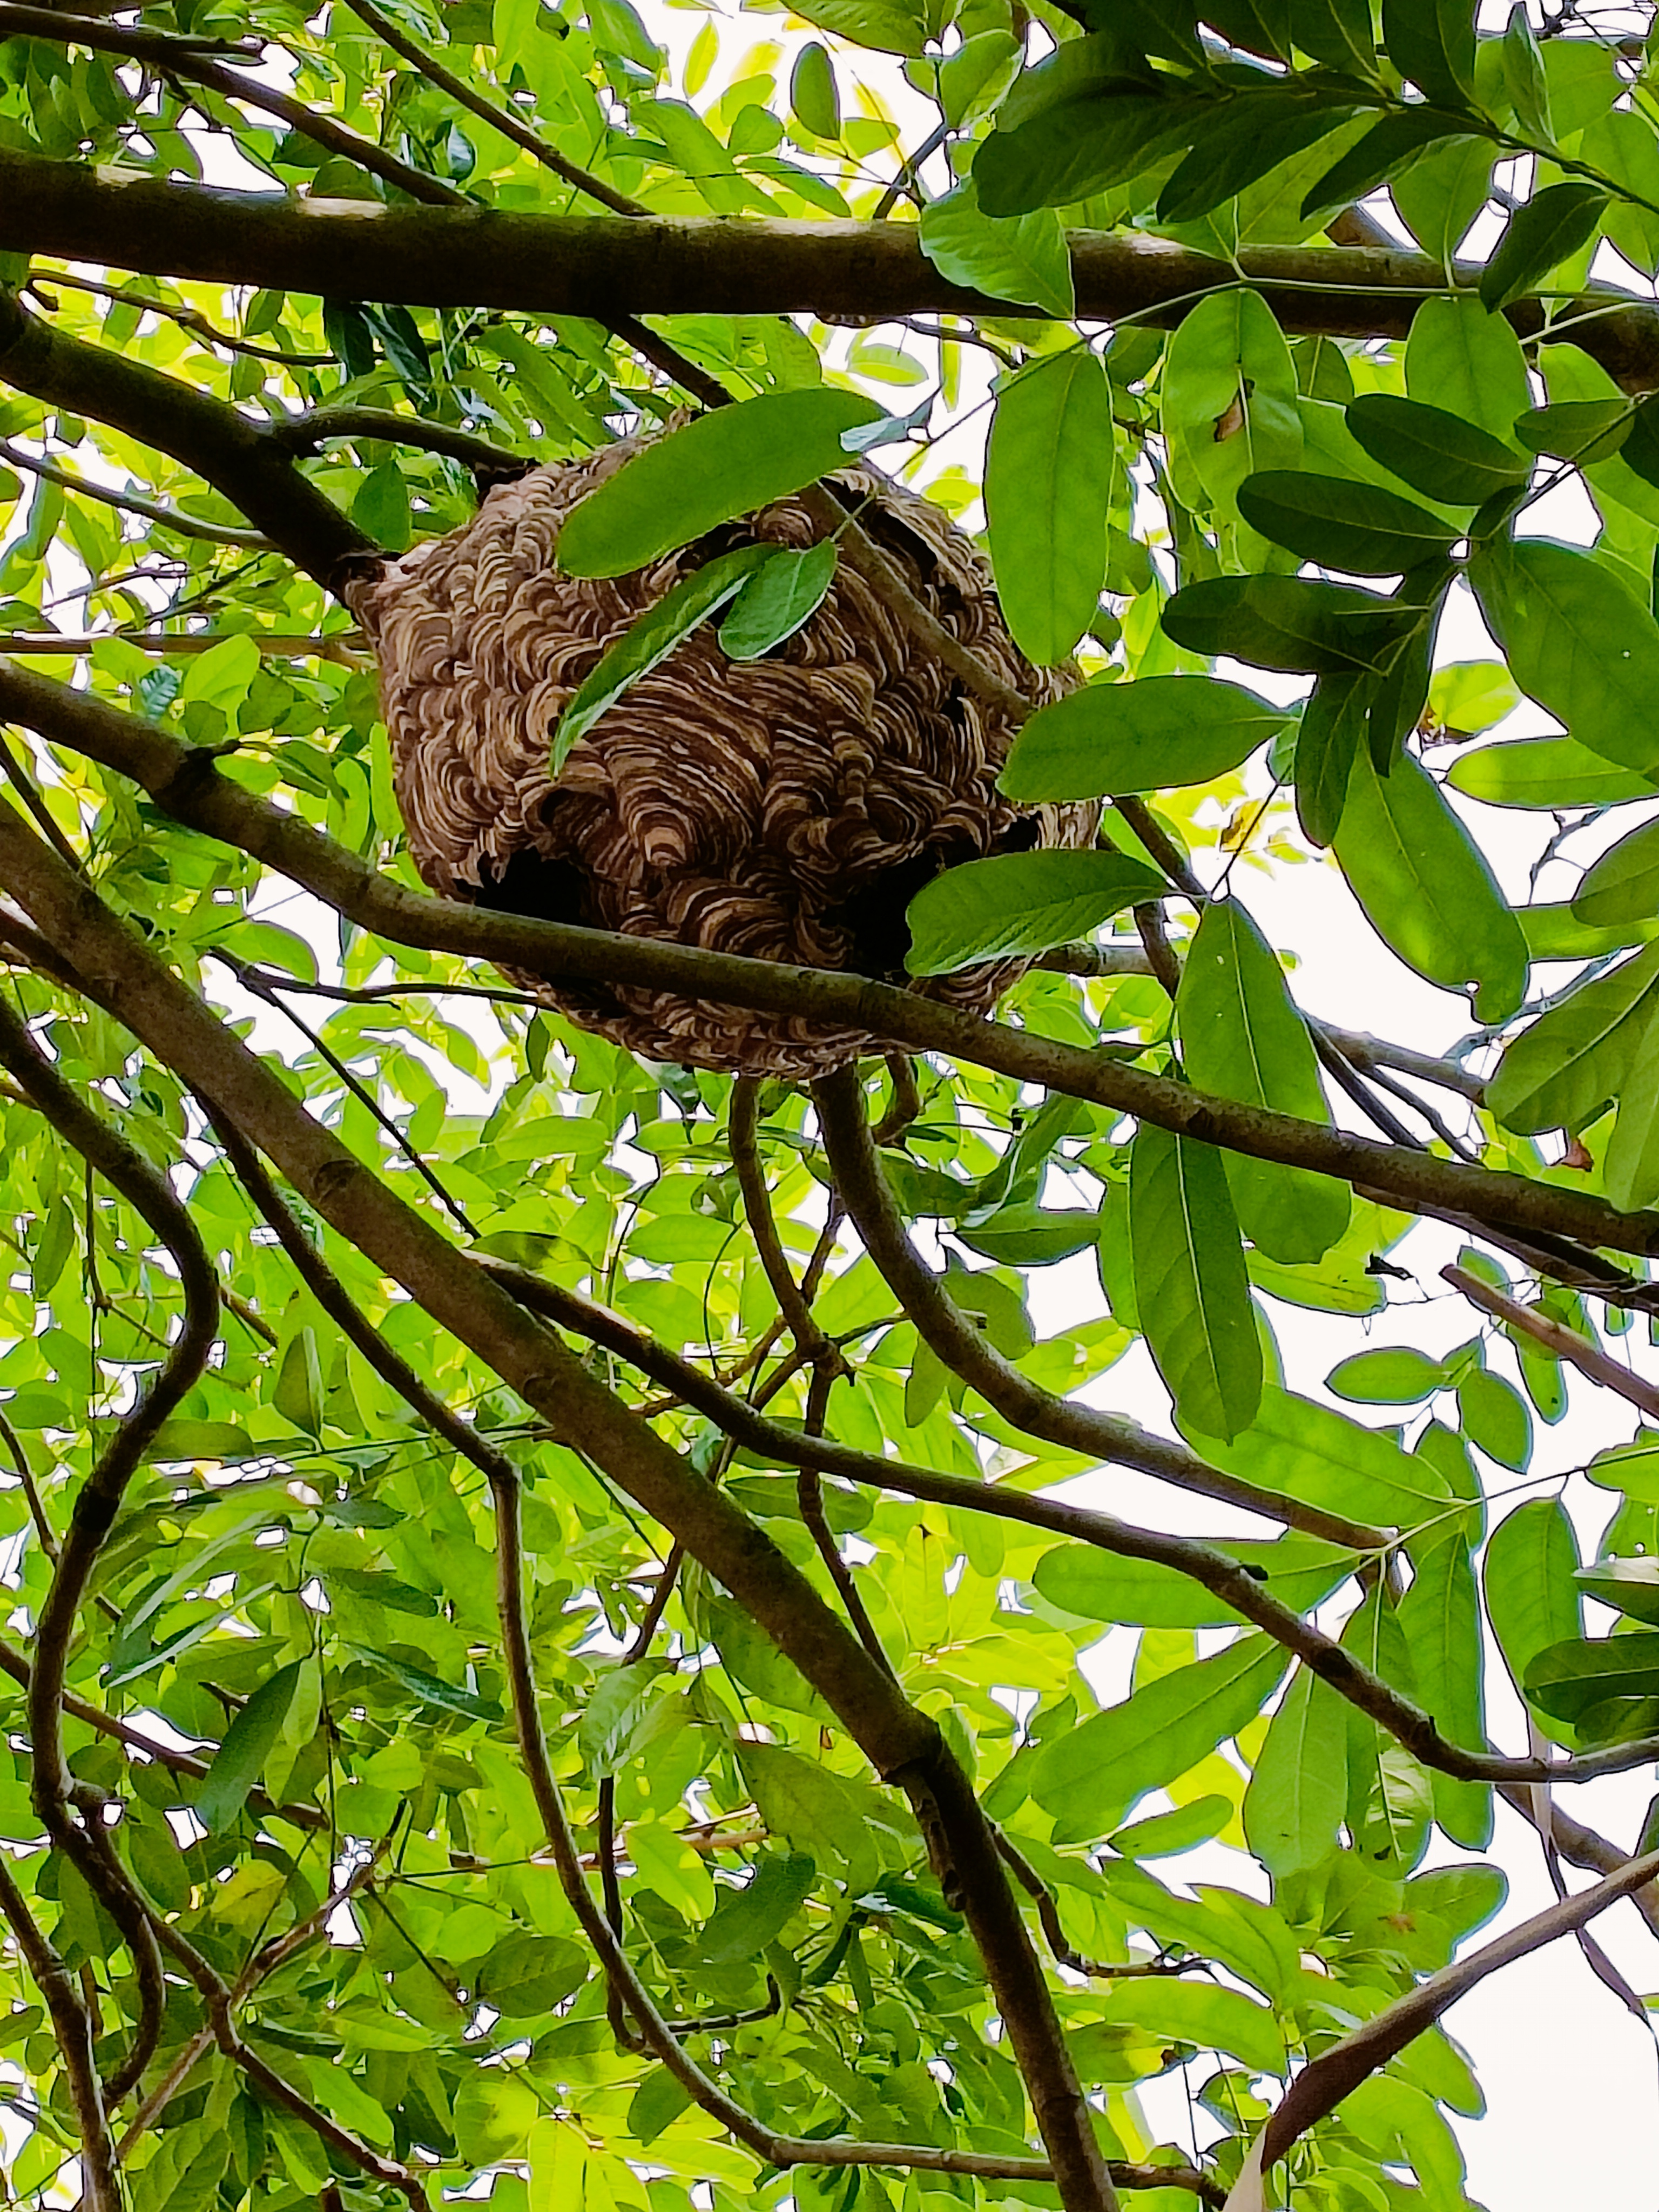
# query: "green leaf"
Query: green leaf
1426,887
1561,1071
1299,1783
1495,1416
430,1689
1440,1615
1024,258
1387,150
890,27
1542,234
1630,1169
1432,43
248,1742
1165,1835
1453,462
1199,2012
298,1395
1567,1679
1530,1579
727,463
832,1816
813,98
1524,76
1017,904
776,600
1468,363
1311,1452
1113,738
1632,1586
1295,624
647,643
1623,885
1235,141
1583,430
1243,1037
526,1974
1191,1289
1360,528
1336,32
1329,739
1300,1572
1228,398
1396,1376
746,1920
1578,641
1047,485
1077,147
1545,772
1088,1777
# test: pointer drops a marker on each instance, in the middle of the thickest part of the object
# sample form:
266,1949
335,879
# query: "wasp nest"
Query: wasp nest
786,808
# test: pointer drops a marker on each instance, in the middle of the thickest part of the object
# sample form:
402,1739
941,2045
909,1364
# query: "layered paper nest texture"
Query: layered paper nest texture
786,808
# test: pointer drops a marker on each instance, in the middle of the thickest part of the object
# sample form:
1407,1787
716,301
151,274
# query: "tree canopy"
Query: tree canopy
568,1643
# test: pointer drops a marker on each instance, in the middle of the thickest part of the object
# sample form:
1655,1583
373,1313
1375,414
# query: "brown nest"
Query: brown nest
788,808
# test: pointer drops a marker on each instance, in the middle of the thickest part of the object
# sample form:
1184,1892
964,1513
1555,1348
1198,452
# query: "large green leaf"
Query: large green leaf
1214,2018
1020,903
1228,398
1022,258
1558,1073
1297,624
1047,485
1237,141
1242,1035
1435,452
1545,772
1542,234
1578,641
1631,1171
1432,42
1530,1579
1109,738
1299,1786
1191,1289
1623,885
1313,1453
248,1742
777,598
1360,528
647,643
1078,146
1567,1679
1329,739
1089,1777
1426,887
1300,1572
725,464
1440,1614
1467,362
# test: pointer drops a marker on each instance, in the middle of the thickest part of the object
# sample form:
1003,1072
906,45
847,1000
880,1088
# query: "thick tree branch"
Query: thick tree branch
188,786
309,433
233,454
72,2025
905,1746
480,258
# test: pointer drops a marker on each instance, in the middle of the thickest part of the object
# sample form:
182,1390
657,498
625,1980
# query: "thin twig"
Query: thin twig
132,503
1555,1336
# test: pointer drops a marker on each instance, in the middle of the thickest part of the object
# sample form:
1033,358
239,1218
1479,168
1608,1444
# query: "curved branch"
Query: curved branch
487,258
185,784
234,455
306,433
969,1354
132,503
96,1504
72,2025
1556,1337
906,1746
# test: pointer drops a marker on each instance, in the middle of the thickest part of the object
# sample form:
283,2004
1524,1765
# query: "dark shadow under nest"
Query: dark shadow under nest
788,808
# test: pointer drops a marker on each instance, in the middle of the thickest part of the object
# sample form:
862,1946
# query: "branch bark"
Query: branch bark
188,785
1555,1336
485,258
905,1748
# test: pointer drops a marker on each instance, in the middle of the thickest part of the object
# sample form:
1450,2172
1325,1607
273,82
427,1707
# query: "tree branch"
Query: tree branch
486,258
307,433
1322,2084
233,454
71,2023
186,785
132,503
905,1746
1555,1336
